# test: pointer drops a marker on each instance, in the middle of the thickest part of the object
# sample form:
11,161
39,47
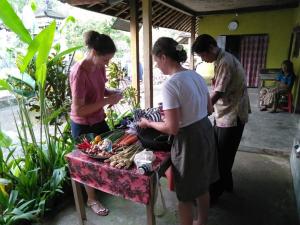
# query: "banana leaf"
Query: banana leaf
13,22
63,53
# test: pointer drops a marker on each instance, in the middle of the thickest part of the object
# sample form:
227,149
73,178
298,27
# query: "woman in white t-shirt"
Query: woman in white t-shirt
186,105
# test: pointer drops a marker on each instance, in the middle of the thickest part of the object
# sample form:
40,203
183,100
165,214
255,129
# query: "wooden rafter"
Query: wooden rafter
170,16
109,7
162,17
186,24
176,6
171,22
126,8
182,22
165,10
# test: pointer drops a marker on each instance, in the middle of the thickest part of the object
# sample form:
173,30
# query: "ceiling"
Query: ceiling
177,14
205,7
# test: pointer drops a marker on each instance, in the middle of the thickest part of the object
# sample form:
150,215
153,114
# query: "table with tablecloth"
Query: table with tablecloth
119,182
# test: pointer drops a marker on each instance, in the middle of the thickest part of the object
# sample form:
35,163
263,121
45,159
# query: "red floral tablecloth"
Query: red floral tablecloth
120,182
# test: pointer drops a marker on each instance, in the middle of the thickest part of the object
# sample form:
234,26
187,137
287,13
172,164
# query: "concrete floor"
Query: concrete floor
272,133
263,196
263,184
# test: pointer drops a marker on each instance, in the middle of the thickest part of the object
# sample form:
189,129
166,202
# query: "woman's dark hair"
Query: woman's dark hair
170,48
289,66
203,43
101,43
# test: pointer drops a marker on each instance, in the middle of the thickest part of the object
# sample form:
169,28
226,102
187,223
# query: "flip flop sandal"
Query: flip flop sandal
101,212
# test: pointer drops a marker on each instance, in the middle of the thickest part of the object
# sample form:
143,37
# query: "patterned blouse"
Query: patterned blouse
229,79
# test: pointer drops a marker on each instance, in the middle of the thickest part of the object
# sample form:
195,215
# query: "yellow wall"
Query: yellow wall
278,24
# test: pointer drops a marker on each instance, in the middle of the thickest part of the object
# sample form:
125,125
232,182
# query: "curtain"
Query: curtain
253,56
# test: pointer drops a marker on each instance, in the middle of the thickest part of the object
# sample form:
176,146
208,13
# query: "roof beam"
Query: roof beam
172,14
108,7
162,17
161,13
185,24
174,21
121,11
251,9
177,6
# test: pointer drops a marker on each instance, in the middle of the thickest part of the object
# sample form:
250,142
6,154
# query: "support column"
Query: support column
134,46
192,39
147,47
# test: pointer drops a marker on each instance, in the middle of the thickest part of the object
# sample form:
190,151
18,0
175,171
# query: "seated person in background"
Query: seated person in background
269,97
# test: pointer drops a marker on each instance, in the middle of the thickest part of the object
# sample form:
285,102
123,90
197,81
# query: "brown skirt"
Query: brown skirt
194,160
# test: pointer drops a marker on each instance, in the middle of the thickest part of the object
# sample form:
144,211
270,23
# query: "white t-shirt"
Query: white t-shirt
187,91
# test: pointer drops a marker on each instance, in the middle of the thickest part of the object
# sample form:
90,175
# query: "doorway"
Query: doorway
250,50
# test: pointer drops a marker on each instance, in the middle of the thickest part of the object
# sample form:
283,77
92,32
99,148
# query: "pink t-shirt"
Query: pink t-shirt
88,82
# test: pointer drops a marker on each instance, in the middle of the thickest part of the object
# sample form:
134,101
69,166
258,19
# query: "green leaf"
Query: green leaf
40,74
46,37
31,50
4,85
13,22
69,19
42,44
53,115
12,198
33,5
5,141
68,51
24,78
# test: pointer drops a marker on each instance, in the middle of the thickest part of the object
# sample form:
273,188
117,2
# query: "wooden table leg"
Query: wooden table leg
150,205
80,208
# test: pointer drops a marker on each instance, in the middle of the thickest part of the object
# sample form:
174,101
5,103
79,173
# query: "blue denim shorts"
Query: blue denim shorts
79,129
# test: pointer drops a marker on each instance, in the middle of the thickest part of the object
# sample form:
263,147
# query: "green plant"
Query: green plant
115,75
14,210
39,173
116,80
130,97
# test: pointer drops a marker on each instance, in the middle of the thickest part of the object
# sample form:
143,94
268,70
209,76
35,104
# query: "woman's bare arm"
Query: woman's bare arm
82,109
170,125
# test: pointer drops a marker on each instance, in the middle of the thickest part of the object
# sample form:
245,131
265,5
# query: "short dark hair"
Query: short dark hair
101,43
203,43
169,47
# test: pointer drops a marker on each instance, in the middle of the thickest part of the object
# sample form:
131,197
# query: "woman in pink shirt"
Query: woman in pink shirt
89,96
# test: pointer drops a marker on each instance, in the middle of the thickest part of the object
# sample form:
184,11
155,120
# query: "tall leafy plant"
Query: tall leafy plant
43,153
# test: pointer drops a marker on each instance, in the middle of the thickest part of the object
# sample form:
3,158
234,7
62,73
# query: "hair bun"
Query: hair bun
90,37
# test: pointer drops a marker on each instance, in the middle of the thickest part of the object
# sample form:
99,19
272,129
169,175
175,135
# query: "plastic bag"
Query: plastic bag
143,161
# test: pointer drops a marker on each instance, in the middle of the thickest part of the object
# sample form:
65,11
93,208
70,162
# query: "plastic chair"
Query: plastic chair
288,103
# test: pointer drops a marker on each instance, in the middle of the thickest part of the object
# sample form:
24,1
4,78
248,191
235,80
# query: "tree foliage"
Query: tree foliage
74,33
